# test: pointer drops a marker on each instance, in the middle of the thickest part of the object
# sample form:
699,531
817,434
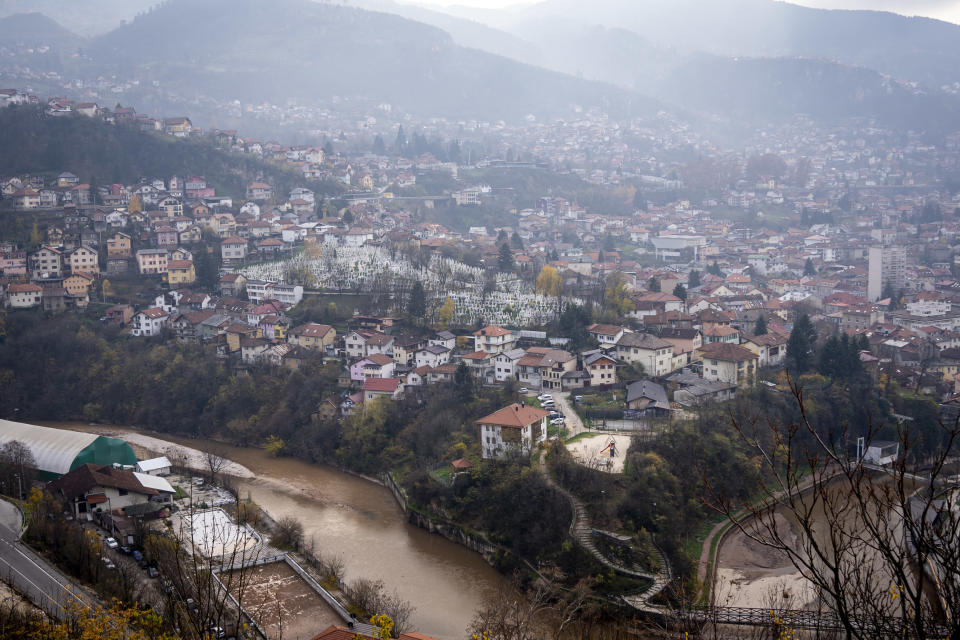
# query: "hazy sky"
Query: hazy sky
940,9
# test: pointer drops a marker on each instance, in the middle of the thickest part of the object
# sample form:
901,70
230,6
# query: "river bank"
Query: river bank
353,517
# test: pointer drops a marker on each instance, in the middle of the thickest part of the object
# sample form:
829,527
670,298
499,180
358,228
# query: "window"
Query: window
123,492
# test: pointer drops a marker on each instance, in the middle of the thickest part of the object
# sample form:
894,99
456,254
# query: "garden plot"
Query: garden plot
215,535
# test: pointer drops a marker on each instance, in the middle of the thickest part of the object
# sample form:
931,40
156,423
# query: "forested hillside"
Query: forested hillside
102,153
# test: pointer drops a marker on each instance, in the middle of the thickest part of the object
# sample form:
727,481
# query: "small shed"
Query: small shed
155,466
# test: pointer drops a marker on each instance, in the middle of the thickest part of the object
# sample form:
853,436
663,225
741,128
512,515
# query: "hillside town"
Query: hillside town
699,298
582,302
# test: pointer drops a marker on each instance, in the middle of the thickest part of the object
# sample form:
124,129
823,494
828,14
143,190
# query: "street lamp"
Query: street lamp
19,485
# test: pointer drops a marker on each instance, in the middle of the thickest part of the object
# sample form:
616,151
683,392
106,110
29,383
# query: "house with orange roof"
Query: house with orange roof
494,339
515,429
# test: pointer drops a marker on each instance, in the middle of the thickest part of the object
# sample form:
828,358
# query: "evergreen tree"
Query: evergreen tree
463,383
516,241
760,328
501,236
639,201
505,260
608,243
800,346
379,147
400,144
808,268
714,269
348,218
417,305
680,291
693,279
328,151
653,285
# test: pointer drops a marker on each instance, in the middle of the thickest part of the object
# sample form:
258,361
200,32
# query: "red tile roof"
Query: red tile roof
514,415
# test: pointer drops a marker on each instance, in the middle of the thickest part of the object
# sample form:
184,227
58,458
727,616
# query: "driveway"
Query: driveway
41,583
574,424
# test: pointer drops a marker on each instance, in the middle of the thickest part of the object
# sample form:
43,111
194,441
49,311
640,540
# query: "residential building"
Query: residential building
601,368
606,334
152,261
312,336
653,353
493,339
91,488
84,260
648,398
374,388
887,268
46,263
233,250
118,245
729,363
24,296
180,272
770,348
149,322
505,365
515,429
431,356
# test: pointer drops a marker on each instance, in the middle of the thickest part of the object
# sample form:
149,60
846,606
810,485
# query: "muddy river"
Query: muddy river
360,521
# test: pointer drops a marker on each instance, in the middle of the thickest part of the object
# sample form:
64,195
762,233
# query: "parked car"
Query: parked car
137,555
548,404
126,550
578,399
152,572
555,414
557,422
112,543
544,396
523,390
108,563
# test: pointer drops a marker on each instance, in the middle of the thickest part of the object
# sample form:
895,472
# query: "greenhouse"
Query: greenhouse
58,451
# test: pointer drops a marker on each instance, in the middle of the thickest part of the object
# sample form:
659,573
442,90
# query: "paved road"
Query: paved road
43,585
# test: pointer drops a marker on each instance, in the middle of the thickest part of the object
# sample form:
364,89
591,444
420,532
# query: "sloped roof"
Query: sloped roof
643,341
514,415
727,352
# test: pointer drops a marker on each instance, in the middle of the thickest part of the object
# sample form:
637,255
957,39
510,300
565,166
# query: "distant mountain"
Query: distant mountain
912,49
85,17
251,51
776,88
36,29
465,32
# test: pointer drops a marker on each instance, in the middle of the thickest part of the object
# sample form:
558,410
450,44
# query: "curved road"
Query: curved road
29,573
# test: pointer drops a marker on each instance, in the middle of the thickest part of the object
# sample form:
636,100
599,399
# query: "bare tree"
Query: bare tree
18,468
215,462
288,533
543,612
879,545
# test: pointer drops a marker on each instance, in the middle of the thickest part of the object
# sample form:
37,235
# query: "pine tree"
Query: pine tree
417,305
693,279
800,345
808,268
760,328
379,147
680,291
653,285
505,260
516,241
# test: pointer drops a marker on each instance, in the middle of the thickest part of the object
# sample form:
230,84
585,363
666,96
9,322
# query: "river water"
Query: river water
360,521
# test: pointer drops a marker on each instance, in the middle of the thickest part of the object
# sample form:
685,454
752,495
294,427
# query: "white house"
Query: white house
149,322
655,354
601,367
431,356
493,339
516,428
728,363
24,296
505,364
